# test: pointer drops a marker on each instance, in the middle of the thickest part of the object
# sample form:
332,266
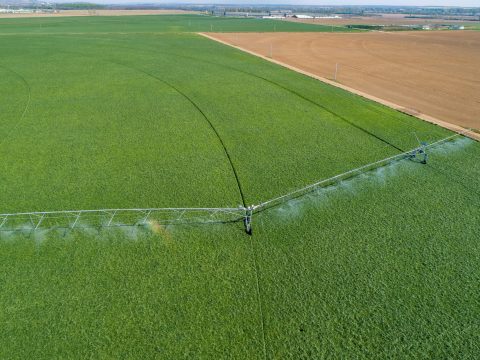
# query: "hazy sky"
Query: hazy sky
475,3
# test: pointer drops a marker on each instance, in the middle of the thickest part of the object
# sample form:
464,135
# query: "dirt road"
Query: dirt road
432,73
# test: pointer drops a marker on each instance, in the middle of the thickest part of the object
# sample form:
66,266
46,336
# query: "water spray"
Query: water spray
421,151
106,218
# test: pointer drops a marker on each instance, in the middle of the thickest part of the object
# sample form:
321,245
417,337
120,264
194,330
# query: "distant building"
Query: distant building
299,16
15,11
239,14
328,17
443,27
281,13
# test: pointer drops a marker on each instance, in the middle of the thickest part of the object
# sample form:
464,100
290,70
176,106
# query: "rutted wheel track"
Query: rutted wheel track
327,110
277,85
196,106
454,124
27,105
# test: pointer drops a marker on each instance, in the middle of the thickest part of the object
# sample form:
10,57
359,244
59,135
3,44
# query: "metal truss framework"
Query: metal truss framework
77,219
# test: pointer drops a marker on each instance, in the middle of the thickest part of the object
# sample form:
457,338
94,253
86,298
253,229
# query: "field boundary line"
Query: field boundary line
402,109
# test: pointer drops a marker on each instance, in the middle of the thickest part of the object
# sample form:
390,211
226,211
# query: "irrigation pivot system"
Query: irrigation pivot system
77,219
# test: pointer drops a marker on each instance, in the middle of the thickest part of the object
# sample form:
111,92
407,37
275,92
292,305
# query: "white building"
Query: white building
299,16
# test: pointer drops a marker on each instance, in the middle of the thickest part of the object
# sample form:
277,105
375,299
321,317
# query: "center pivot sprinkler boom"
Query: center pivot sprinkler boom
421,151
248,219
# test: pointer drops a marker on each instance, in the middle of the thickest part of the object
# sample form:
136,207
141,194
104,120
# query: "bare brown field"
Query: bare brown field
99,13
435,74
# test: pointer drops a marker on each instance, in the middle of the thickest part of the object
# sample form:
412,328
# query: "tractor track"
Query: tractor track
277,85
214,129
27,105
194,104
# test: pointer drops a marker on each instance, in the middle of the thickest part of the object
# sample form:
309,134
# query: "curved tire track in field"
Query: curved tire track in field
29,98
330,112
296,94
257,280
273,83
302,97
195,105
217,134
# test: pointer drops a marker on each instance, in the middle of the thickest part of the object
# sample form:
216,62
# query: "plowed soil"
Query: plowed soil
433,73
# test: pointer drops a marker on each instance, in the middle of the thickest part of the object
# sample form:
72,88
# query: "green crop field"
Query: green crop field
138,112
472,27
153,24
